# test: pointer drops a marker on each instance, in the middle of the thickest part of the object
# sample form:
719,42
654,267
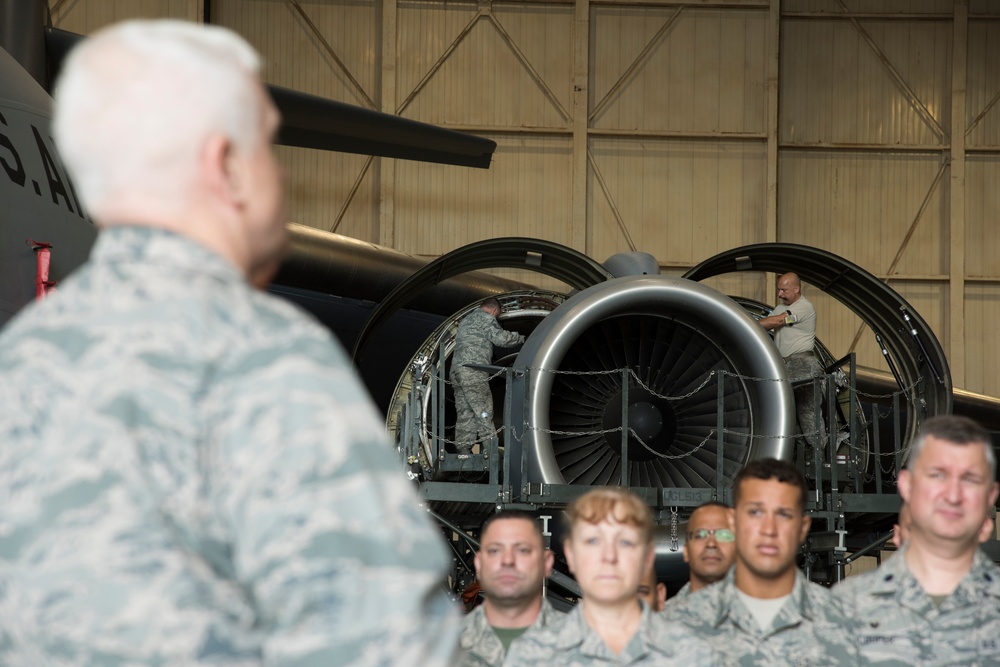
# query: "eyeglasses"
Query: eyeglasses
721,535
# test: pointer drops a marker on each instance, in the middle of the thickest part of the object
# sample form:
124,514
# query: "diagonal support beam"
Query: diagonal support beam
639,59
495,22
350,195
982,114
906,239
611,200
328,49
911,96
463,33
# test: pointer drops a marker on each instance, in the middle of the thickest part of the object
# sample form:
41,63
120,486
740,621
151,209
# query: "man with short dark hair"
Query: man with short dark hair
511,565
937,601
709,548
652,591
475,339
765,612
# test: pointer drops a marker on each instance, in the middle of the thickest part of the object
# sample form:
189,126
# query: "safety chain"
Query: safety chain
708,378
674,544
904,391
676,456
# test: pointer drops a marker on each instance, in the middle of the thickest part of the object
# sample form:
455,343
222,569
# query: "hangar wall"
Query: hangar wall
869,128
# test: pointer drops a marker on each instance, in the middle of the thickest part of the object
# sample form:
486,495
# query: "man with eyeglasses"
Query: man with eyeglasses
765,612
709,549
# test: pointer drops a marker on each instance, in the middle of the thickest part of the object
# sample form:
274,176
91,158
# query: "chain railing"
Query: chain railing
856,453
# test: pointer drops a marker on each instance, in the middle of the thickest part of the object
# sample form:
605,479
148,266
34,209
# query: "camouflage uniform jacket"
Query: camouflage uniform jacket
809,630
478,332
191,474
573,643
683,594
480,645
899,624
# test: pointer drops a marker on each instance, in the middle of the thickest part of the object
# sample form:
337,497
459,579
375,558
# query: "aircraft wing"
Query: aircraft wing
309,121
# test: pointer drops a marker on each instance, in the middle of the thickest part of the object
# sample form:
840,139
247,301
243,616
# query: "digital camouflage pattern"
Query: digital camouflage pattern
811,629
679,597
477,333
899,624
480,645
572,643
192,475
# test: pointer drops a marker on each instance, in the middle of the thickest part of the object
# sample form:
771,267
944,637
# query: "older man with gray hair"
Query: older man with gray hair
191,473
937,601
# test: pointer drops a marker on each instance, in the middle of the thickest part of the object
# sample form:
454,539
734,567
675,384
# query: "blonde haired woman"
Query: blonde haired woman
609,546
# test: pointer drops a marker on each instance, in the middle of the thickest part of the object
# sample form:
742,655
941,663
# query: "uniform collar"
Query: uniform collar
796,608
894,579
575,632
155,247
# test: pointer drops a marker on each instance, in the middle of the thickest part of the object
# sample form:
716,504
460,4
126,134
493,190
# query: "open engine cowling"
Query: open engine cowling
677,338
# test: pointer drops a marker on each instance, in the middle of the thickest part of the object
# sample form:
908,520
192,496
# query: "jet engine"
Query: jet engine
660,384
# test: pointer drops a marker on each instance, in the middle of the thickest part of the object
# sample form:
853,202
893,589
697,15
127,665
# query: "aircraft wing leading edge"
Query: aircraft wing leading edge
309,121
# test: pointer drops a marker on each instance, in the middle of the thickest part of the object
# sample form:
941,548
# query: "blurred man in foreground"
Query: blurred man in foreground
709,548
937,601
511,565
477,335
191,472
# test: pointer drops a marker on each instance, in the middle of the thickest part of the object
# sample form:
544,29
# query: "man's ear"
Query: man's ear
661,594
986,530
475,561
806,523
549,561
903,484
221,170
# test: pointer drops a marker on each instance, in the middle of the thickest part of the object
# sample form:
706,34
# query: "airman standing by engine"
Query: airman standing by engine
477,334
793,322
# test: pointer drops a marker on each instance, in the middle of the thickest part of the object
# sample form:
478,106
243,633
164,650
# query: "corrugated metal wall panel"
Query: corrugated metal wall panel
836,88
872,6
86,16
318,191
982,309
982,211
983,85
681,201
861,205
483,81
439,208
297,48
704,74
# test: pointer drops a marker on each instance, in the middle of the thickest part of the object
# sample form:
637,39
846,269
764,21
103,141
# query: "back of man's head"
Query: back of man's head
135,103
491,304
